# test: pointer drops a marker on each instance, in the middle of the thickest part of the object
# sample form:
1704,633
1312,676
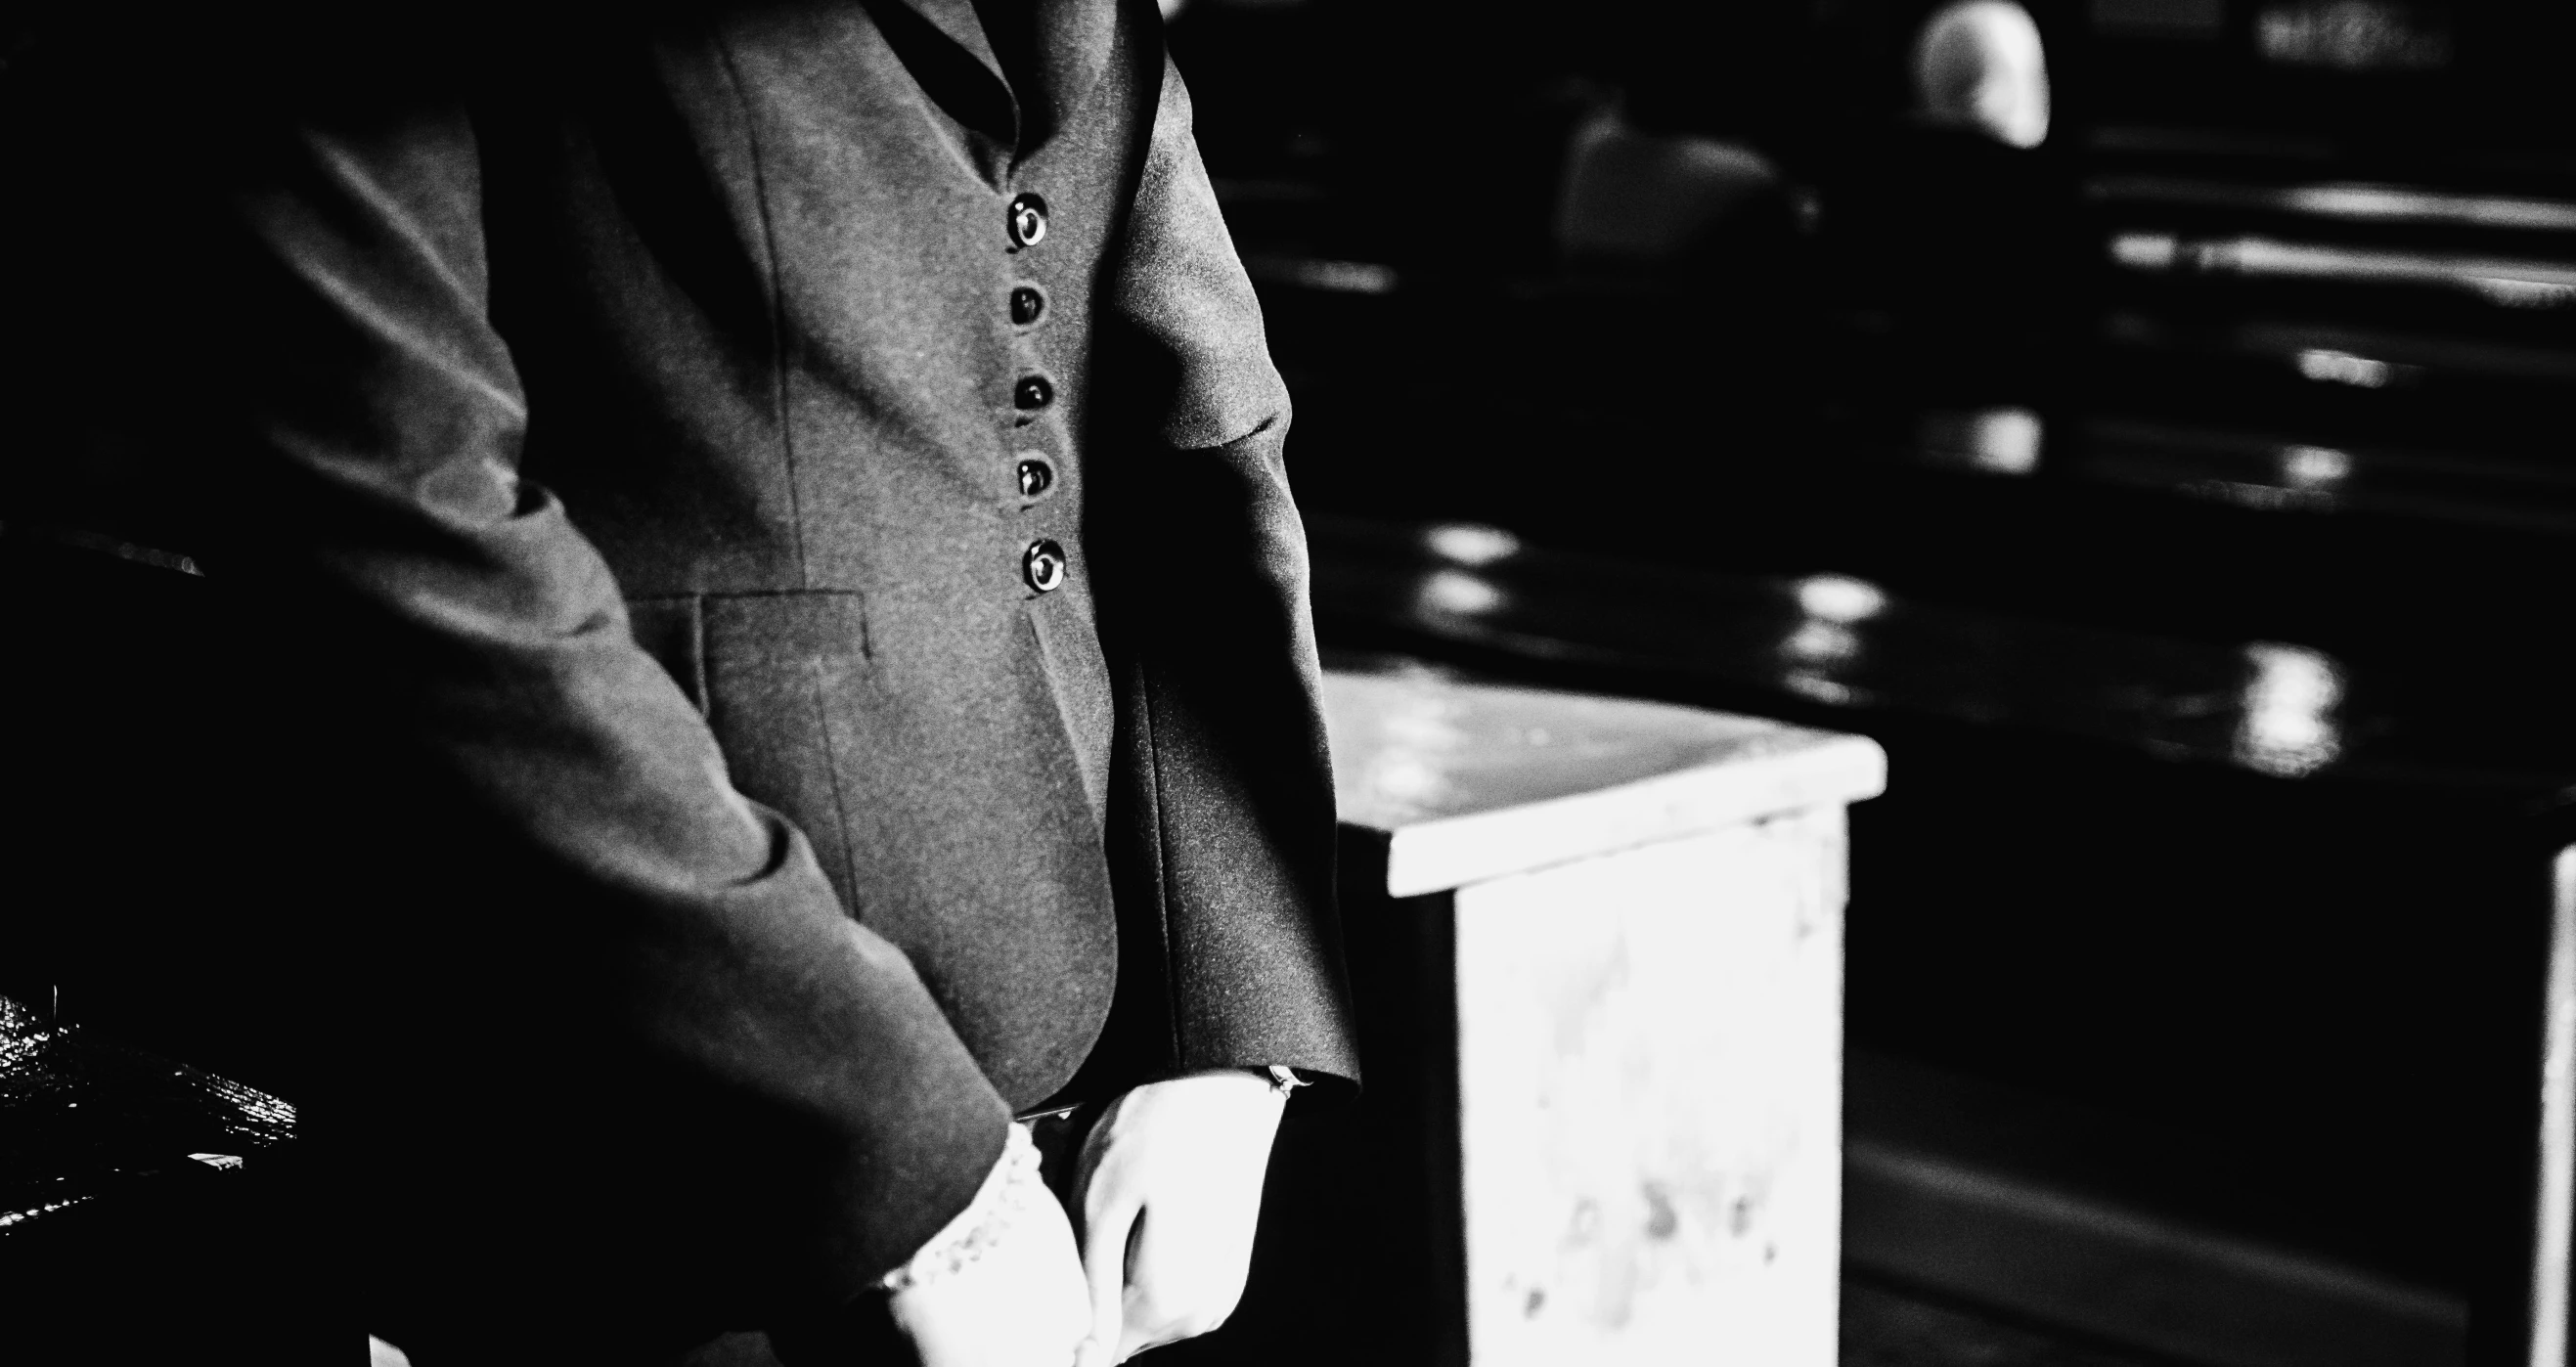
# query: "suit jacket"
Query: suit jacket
839,659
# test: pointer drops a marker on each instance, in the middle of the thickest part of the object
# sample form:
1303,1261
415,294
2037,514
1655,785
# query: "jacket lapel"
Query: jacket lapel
1052,52
957,20
943,43
1014,70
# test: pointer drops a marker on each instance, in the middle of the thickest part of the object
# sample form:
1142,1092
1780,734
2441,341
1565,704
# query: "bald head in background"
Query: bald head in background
1979,66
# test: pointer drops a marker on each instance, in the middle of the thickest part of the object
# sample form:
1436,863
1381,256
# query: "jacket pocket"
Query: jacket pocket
926,755
785,677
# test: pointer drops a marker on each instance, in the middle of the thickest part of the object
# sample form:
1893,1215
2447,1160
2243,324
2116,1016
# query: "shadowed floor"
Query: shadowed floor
1887,1326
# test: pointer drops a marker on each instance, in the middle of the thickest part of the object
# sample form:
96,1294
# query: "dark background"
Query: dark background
2290,996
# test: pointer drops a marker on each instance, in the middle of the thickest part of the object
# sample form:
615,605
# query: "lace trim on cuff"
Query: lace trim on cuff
1006,1195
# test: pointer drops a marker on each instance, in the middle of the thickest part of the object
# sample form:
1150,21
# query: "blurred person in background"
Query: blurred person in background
1979,66
1949,205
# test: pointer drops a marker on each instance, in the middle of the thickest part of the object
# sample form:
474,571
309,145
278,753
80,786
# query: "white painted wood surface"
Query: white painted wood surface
1475,782
1648,953
2555,1211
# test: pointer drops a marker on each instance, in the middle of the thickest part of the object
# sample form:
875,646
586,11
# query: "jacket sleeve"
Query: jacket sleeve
359,423
1207,623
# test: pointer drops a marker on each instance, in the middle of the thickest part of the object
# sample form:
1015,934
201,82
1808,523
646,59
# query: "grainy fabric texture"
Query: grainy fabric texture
670,808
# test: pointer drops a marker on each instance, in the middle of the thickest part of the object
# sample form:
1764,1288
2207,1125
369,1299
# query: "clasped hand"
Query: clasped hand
1165,1195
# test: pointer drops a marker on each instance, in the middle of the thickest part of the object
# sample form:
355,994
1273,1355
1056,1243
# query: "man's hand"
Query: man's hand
1167,1191
1019,1303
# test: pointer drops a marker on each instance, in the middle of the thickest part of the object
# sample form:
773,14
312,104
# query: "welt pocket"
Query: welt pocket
796,709
812,628
699,638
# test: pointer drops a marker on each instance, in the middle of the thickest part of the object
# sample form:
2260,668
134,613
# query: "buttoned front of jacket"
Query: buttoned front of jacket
856,548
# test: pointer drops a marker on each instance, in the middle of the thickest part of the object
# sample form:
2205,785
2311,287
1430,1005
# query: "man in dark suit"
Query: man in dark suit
757,633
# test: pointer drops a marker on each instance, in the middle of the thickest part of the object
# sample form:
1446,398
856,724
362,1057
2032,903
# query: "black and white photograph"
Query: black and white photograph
1009,683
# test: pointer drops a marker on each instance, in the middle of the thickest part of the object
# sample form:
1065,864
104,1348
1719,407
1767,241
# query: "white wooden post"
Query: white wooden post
1645,932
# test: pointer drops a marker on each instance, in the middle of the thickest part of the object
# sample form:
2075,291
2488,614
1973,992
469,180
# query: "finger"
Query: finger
1140,1327
1137,1340
1105,1239
1183,1280
1087,1161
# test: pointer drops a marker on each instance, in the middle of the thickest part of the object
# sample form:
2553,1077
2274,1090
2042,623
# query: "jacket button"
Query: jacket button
1027,305
1028,220
1031,393
1042,564
1036,476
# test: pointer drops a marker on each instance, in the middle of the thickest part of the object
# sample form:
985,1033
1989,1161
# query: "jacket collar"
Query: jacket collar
958,22
1058,49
